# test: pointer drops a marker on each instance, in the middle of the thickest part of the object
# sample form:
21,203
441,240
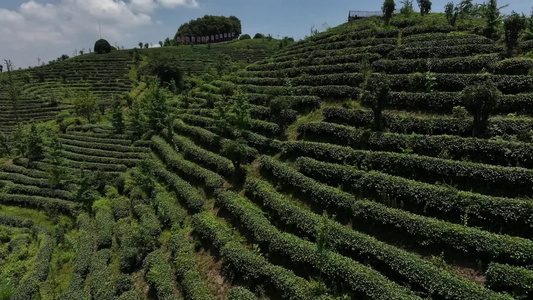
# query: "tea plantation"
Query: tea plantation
364,162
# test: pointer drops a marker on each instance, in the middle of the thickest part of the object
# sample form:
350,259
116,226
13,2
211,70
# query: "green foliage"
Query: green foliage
85,104
259,36
480,100
35,147
166,67
517,281
102,46
210,25
425,6
240,293
407,8
513,26
357,245
244,37
157,108
388,9
451,12
186,269
118,118
159,275
377,96
497,152
57,172
184,167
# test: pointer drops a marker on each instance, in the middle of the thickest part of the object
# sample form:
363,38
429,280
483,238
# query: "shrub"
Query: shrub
515,280
240,293
358,245
159,275
102,46
259,36
244,37
480,100
186,269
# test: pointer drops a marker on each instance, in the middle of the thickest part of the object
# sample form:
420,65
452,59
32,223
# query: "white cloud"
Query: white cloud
176,3
47,30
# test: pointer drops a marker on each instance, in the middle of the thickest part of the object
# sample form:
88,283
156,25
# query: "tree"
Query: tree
259,36
492,15
140,45
146,45
118,118
451,12
244,37
407,8
102,46
35,144
376,95
57,172
210,25
239,112
466,7
13,90
528,33
85,104
513,26
161,44
84,194
157,110
480,100
388,9
221,64
425,6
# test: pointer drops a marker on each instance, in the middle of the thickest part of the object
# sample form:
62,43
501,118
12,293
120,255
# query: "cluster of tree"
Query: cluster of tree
389,6
210,25
167,68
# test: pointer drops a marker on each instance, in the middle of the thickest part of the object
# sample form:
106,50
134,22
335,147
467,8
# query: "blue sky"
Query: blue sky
48,28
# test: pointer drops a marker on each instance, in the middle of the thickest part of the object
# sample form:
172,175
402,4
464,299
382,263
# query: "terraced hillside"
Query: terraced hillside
275,182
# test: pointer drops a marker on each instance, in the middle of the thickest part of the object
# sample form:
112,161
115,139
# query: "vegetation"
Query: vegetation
380,159
210,25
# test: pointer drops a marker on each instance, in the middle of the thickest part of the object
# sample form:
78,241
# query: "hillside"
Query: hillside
273,179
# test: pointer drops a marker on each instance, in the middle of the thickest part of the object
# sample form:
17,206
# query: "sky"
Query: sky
42,30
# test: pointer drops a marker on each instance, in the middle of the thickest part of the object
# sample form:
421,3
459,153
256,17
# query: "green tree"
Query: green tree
388,9
5,145
466,7
210,25
425,6
140,45
102,46
480,100
13,89
376,95
451,12
407,8
84,193
528,33
35,148
513,26
86,105
245,37
157,108
492,15
118,118
57,172
239,112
